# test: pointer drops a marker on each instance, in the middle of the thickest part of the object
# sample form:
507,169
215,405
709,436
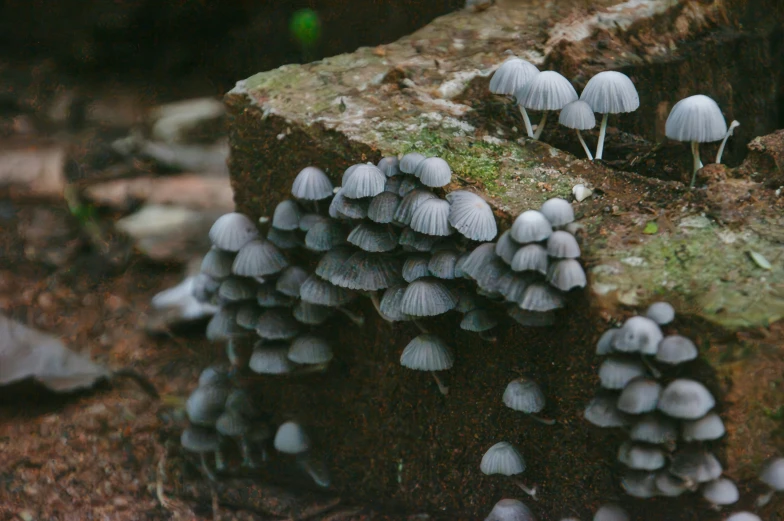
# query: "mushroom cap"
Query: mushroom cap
531,257
743,516
199,439
391,302
389,166
214,375
638,335
223,325
676,349
610,512
232,424
311,314
291,280
235,289
432,218
698,466
366,180
639,396
347,173
285,240
471,216
611,92
277,324
616,372
773,474
205,404
407,184
602,411
268,297
696,118
502,458
258,258
204,287
368,272
394,184
232,231
442,264
563,245
661,312
577,115
709,427
639,483
217,263
641,457
415,241
721,491
541,297
291,438
433,172
558,211
654,428
427,297
604,345
548,90
330,262
510,510
306,221
566,274
310,349
311,184
511,76
382,207
286,215
668,485
513,285
506,247
524,395
478,320
322,292
410,203
531,226
478,259
342,207
427,352
686,399
415,267
325,235
410,161
270,359
373,237
531,318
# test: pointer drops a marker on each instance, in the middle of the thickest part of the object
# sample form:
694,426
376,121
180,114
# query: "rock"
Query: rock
765,162
33,170
188,158
199,120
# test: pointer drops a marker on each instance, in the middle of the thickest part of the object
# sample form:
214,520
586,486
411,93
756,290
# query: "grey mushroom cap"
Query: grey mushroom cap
308,220
721,491
290,281
676,349
743,516
390,304
531,318
365,181
394,185
686,399
563,245
698,466
502,458
641,457
696,118
603,412
277,324
432,218
558,211
214,375
616,372
268,297
373,237
661,312
311,314
390,166
410,162
410,203
407,184
205,404
427,352
604,345
478,320
318,291
325,236
668,485
330,262
577,115
286,215
310,349
291,438
510,510
235,289
204,287
773,474
199,440
311,184
342,207
347,173
217,263
531,226
442,264
471,216
258,258
531,257
285,240
638,335
513,285
654,428
709,427
611,512
223,325
232,424
383,207
415,267
433,172
415,241
479,257
511,76
548,90
232,231
611,92
639,396
506,247
365,271
541,297
270,359
639,483
427,297
524,395
566,274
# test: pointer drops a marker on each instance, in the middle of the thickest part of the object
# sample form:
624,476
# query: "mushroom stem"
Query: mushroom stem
206,468
316,206
486,336
377,305
585,147
655,372
735,123
765,498
526,121
540,126
602,133
441,387
695,152
418,324
319,478
247,453
545,421
220,462
530,491
356,318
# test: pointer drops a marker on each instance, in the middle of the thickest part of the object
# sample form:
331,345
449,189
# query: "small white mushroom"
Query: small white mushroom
547,91
609,92
579,116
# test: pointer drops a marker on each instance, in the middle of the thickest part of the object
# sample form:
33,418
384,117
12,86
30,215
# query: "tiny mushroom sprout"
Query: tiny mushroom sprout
773,476
720,492
427,352
735,124
696,119
609,92
311,184
686,399
433,172
611,512
509,78
578,115
291,438
547,91
504,458
525,396
743,516
510,510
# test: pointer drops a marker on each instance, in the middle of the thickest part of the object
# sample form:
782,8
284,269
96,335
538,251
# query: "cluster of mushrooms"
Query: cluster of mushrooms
696,119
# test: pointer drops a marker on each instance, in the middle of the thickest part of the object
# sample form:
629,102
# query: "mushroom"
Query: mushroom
531,257
311,314
578,115
236,289
773,476
269,297
471,216
531,318
408,184
604,345
563,245
415,267
735,124
286,216
676,349
276,324
541,297
638,335
510,510
432,218
373,237
433,172
366,180
442,264
324,236
232,231
531,226
307,221
686,399
389,166
478,259
291,438
661,312
641,457
233,425
743,516
428,352
610,512
524,395
223,325
410,202
283,239
695,466
654,428
318,291
546,91
639,483
310,349
409,162
510,78
311,184
558,211
504,458
603,412
258,258
368,272
415,241
566,274
668,485
720,492
709,427
270,359
201,440
696,119
205,404
427,297
382,207
616,372
342,207
217,263
609,92
389,308
479,321
290,281
639,396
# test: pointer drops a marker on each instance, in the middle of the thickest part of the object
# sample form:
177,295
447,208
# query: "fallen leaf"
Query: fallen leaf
651,228
759,260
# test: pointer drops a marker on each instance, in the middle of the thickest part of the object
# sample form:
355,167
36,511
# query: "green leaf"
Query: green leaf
759,260
651,228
